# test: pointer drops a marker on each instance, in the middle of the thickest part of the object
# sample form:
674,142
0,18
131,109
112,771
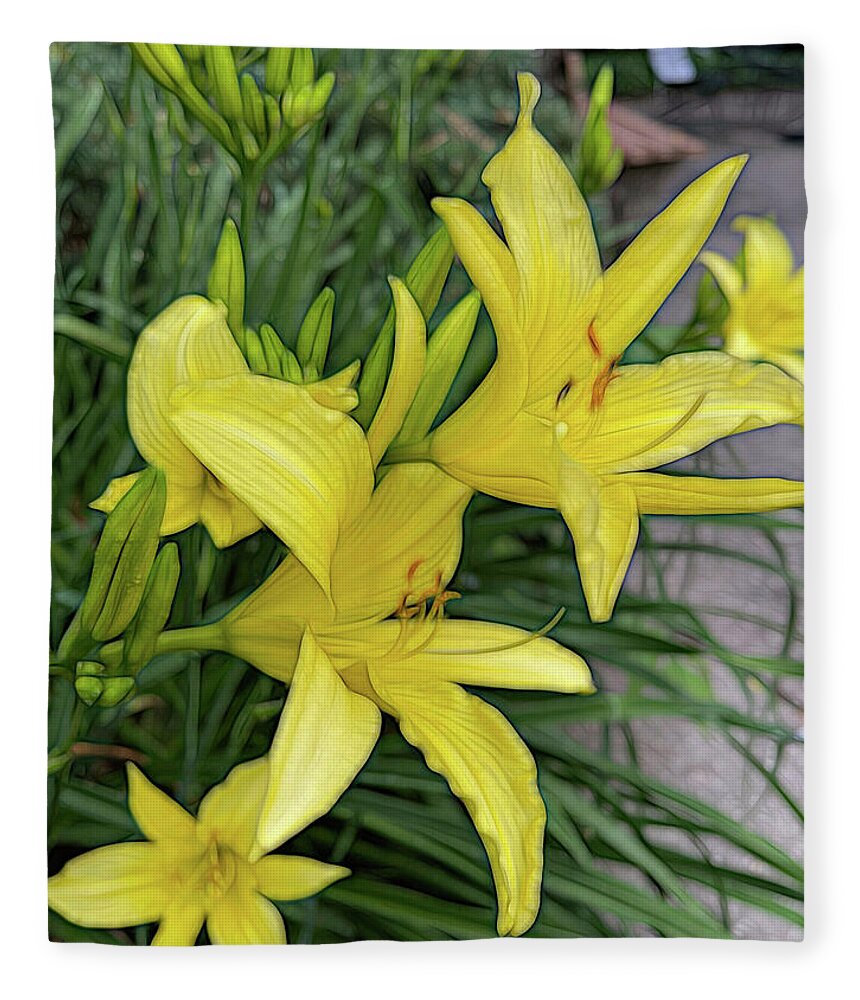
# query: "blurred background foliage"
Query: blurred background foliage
142,194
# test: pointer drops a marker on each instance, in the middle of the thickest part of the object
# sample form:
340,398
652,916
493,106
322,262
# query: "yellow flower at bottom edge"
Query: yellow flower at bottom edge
191,871
557,422
765,297
349,663
239,450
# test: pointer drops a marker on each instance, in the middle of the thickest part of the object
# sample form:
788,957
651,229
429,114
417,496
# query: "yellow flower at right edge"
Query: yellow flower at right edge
192,871
557,422
765,297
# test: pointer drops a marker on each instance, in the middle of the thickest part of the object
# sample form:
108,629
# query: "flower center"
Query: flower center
414,605
215,873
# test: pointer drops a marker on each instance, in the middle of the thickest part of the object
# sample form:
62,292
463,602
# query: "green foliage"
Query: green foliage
143,193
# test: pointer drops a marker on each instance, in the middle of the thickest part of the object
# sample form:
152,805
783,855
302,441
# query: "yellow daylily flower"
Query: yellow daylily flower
765,297
385,646
241,450
557,422
192,871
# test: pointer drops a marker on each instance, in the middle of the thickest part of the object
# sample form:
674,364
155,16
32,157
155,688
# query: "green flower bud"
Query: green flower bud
250,146
225,82
193,53
424,279
291,370
57,760
227,279
123,558
253,108
315,333
116,689
446,349
309,102
278,70
273,116
300,109
89,689
254,352
154,610
165,65
600,162
89,668
273,348
152,64
301,69
287,105
322,92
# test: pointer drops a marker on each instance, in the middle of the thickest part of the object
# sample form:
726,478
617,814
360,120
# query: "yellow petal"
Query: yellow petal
287,878
187,341
303,469
654,414
482,654
791,364
122,885
407,542
266,629
245,917
229,812
157,815
510,457
226,519
548,229
397,548
489,264
325,735
673,494
407,367
337,392
726,275
603,520
638,283
180,924
181,510
767,253
490,769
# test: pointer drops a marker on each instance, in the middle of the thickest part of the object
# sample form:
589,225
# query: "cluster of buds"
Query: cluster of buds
268,354
600,161
130,594
253,119
264,349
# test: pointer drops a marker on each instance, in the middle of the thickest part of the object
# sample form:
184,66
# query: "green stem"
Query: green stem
251,180
416,451
199,639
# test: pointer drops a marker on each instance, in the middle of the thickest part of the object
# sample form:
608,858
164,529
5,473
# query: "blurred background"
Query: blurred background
682,778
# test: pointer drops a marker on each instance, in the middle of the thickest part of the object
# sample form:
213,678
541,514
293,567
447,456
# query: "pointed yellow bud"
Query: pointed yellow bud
424,280
407,367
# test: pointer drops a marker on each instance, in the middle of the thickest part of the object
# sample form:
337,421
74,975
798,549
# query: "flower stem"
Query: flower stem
200,638
416,451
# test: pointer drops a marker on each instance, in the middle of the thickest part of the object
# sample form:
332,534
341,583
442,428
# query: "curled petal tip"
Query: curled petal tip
529,88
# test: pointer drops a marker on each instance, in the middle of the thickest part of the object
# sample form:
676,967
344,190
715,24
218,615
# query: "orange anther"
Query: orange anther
601,383
592,339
